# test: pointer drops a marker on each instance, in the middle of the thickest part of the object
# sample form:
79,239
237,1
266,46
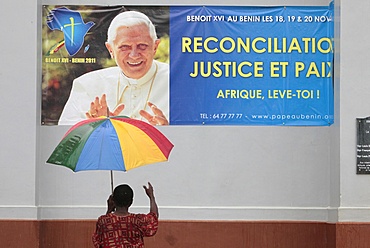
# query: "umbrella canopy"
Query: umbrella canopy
111,143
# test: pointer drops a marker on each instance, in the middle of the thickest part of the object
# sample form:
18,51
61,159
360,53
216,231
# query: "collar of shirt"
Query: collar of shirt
141,81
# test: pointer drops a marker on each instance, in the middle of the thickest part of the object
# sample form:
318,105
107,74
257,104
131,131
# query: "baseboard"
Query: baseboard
194,234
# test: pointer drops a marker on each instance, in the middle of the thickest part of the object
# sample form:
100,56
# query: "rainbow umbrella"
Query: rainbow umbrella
111,143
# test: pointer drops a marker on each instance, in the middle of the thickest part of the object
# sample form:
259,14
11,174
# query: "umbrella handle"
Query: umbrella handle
111,180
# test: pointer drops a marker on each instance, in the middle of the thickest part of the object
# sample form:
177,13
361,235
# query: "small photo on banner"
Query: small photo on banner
94,65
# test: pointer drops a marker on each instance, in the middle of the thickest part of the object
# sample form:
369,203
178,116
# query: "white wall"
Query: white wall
18,109
354,103
282,173
213,173
334,178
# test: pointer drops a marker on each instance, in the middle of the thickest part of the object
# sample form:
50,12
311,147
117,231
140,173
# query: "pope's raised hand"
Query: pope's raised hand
158,118
99,107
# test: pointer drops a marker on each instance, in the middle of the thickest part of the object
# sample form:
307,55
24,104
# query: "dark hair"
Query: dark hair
123,196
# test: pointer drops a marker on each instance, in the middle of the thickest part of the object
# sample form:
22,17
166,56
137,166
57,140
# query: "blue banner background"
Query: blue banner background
204,99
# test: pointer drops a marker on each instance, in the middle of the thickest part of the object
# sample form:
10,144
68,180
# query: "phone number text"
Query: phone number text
221,116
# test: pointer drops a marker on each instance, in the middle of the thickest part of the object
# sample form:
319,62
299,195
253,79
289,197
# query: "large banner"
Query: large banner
212,65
